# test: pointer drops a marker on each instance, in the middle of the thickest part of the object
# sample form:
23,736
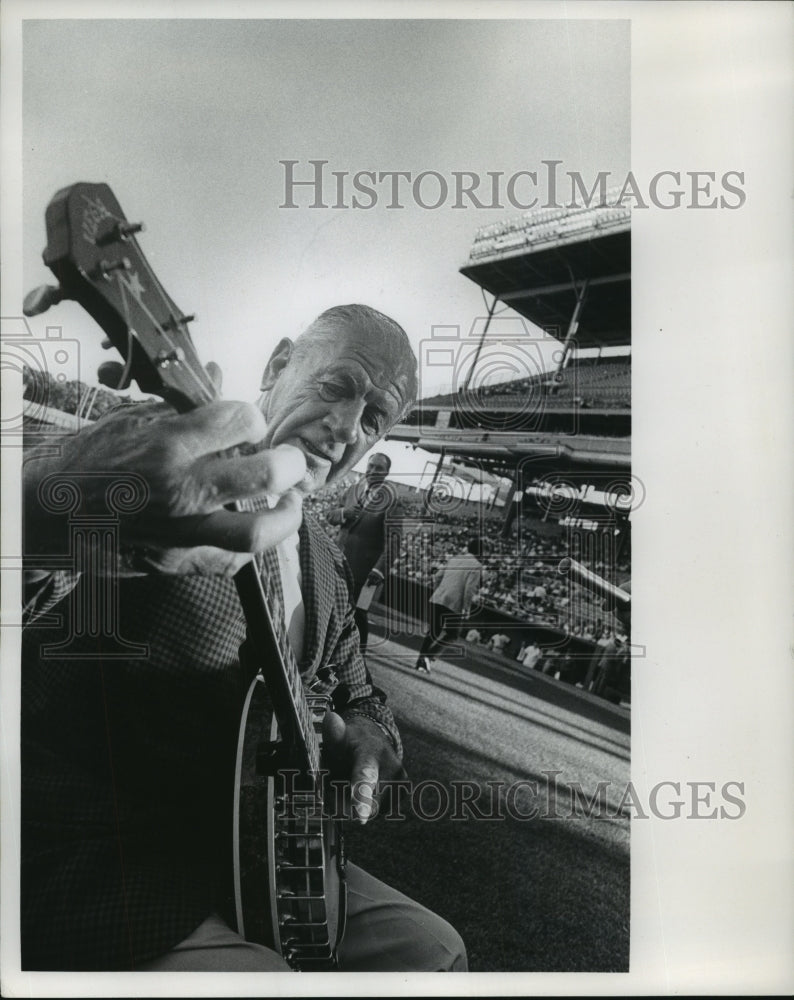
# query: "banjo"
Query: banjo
289,866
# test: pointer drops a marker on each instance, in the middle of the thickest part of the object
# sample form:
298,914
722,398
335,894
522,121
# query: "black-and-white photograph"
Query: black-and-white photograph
320,585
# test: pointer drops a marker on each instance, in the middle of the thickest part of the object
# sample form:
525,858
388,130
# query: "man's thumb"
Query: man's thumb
216,375
333,730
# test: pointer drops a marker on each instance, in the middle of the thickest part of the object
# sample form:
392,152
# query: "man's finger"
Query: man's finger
364,786
231,530
215,427
215,373
273,471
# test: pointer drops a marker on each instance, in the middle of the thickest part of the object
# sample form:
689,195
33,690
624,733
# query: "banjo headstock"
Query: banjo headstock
93,252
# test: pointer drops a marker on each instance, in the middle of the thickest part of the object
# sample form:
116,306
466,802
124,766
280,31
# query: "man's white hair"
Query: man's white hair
394,348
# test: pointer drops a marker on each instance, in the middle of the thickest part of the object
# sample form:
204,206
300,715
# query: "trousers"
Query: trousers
385,932
445,628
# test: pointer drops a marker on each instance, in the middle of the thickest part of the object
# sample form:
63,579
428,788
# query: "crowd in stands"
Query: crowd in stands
520,575
589,382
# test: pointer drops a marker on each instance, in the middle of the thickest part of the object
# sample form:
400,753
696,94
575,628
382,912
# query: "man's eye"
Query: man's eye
332,390
371,421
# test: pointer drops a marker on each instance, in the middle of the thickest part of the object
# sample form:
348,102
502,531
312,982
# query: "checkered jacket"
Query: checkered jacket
127,759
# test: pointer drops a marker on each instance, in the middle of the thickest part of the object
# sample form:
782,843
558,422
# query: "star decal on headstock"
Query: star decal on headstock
132,283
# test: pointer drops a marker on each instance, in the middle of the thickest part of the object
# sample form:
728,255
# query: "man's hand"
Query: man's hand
361,752
193,468
342,515
375,577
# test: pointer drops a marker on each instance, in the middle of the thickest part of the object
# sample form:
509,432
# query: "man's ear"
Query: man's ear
278,362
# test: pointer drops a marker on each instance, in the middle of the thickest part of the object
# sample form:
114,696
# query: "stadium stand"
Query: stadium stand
515,567
565,270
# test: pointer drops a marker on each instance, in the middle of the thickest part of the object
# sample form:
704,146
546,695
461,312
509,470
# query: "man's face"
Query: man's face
377,470
334,401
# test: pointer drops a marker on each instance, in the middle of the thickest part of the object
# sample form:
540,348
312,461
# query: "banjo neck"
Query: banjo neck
93,252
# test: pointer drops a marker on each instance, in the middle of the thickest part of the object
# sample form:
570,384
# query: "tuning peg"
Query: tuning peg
111,374
113,231
106,267
166,358
40,299
106,344
172,323
130,228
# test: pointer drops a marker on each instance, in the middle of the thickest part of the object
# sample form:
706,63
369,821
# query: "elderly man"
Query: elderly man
127,763
367,509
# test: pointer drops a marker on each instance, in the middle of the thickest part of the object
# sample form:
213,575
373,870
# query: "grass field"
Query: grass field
538,894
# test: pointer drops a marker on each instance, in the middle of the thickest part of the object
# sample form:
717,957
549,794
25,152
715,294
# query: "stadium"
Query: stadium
529,449
533,451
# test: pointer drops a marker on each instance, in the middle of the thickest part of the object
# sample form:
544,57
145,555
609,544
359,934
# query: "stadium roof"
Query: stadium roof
537,264
509,448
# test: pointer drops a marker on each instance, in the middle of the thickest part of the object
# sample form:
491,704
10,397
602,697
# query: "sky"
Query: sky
187,122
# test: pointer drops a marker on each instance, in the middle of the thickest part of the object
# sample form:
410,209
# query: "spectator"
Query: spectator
607,665
595,659
499,642
551,662
363,519
531,656
455,588
473,635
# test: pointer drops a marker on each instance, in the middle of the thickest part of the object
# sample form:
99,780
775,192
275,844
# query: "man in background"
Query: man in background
531,656
456,586
363,516
499,642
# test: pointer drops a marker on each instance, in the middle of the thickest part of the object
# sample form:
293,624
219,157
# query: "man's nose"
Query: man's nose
343,419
